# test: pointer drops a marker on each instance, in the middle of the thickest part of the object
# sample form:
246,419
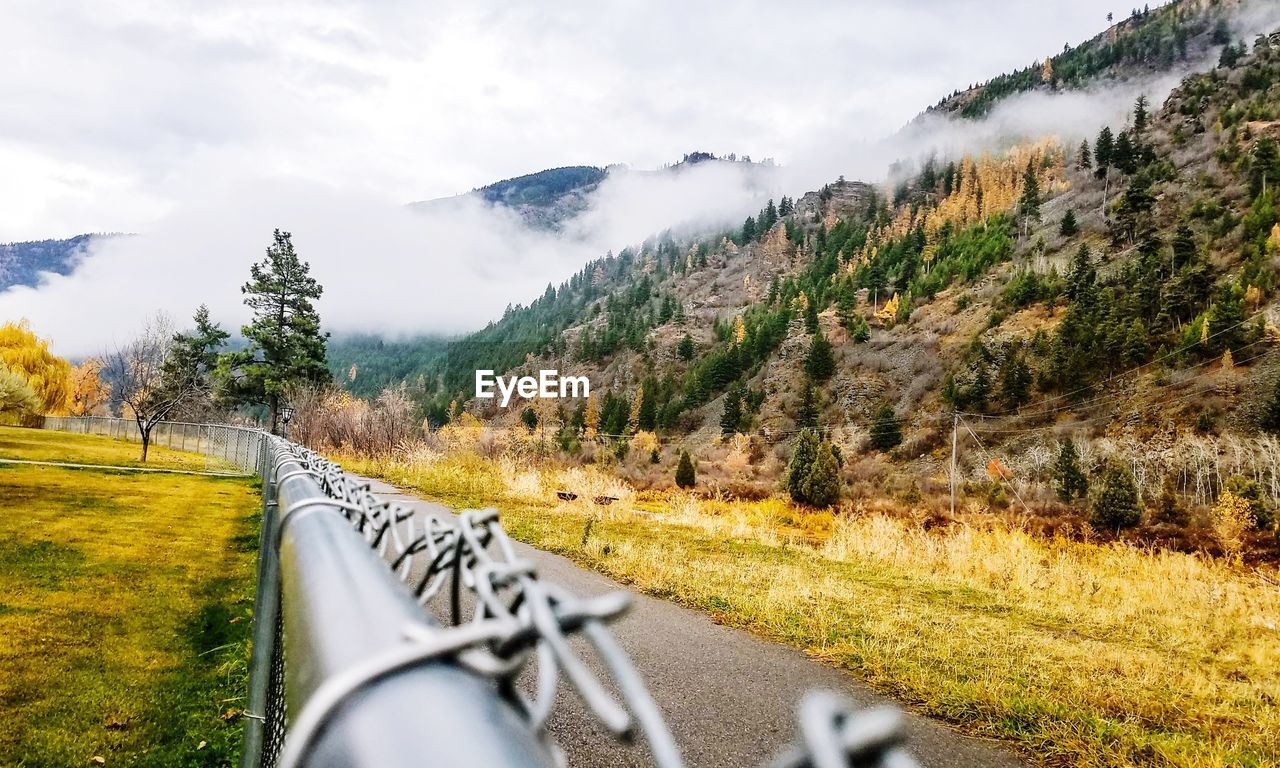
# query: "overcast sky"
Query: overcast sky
116,111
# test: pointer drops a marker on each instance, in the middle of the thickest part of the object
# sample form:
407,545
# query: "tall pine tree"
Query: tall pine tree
286,345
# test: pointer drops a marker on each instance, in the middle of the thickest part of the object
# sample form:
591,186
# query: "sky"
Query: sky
202,126
118,110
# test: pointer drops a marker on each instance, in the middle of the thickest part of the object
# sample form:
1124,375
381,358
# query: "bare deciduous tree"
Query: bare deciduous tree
136,370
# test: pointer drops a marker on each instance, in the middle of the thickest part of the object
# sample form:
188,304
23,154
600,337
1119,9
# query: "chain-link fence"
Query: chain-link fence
352,666
224,445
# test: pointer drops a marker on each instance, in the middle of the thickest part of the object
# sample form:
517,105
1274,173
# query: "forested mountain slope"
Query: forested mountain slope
1114,287
22,263
1147,41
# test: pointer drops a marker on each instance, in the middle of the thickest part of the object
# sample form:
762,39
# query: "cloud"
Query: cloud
386,268
203,127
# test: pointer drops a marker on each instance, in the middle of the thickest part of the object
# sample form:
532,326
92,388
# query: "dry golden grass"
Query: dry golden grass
1085,654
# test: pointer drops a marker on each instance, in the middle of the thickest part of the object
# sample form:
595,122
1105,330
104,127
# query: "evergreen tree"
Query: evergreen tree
1068,479
811,316
1140,117
1136,344
822,485
1102,149
1029,203
529,418
1125,155
749,230
1117,505
886,430
286,345
807,416
804,450
686,476
1082,279
685,347
1270,419
189,368
859,330
732,415
1015,379
1069,227
820,363
1084,158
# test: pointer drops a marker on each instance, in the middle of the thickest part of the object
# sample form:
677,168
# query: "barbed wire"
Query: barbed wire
516,617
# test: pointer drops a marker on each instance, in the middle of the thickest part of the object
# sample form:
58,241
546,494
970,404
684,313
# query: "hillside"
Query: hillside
1146,42
22,263
1137,326
547,200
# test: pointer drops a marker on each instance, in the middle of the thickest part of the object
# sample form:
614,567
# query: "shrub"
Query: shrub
686,476
822,486
1228,520
886,430
1117,505
1248,489
1068,479
803,452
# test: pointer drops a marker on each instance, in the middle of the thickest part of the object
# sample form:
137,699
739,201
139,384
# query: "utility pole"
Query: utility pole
955,423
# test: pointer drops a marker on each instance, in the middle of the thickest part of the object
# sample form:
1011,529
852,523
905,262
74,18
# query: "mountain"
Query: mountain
1147,42
545,199
548,199
1139,319
22,263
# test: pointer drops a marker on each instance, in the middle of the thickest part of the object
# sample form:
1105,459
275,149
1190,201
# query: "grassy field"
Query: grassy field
1083,654
125,601
37,445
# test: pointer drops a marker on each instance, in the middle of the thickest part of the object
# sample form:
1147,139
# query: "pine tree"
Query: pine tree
1029,203
859,330
1015,379
1102,149
1140,117
686,475
1270,419
1069,227
886,430
286,345
807,415
1069,481
191,364
820,363
732,415
822,485
685,347
1117,505
1084,158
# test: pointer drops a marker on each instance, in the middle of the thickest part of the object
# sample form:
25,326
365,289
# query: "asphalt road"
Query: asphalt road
729,697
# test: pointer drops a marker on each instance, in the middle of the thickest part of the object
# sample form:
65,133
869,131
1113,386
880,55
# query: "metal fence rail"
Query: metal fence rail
350,667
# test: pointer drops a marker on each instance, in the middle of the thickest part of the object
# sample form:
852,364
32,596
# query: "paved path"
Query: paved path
729,697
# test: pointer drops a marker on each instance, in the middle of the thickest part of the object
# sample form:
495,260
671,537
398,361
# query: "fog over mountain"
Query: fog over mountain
203,129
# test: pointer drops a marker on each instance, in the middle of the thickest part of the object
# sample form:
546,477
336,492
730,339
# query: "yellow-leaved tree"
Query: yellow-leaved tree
27,355
87,393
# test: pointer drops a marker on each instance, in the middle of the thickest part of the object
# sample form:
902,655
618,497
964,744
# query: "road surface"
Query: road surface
728,696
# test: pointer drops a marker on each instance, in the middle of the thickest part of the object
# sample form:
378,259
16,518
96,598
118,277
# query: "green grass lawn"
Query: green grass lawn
125,606
47,445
